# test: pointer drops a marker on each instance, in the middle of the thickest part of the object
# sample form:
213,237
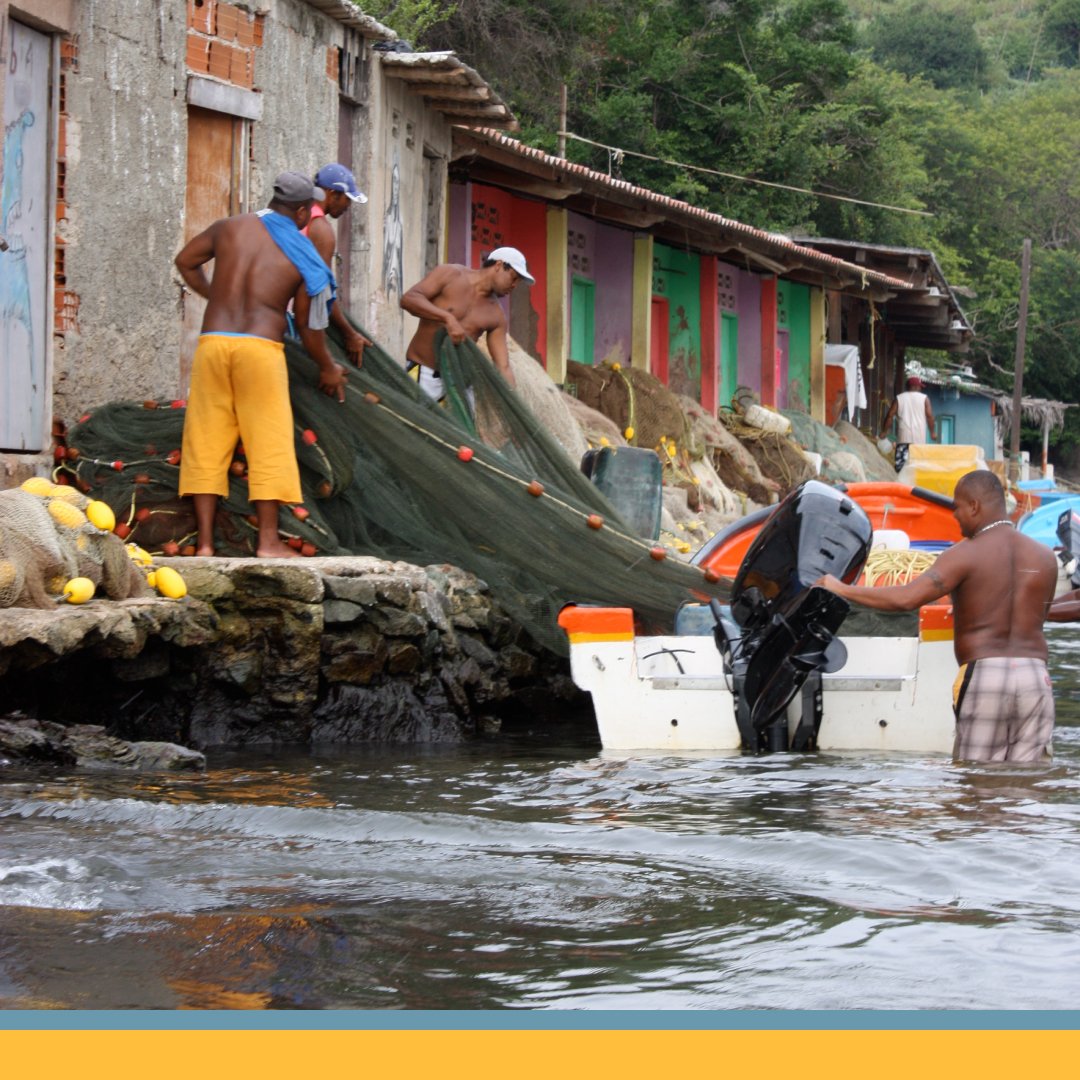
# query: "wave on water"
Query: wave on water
48,883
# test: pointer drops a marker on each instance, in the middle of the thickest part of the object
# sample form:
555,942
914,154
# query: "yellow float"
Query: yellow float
101,515
37,485
63,513
169,583
140,556
78,590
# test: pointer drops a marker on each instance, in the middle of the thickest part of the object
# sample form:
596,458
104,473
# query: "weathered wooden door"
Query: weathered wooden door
24,228
216,188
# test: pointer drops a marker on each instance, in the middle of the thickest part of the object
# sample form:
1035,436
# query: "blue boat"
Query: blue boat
1041,523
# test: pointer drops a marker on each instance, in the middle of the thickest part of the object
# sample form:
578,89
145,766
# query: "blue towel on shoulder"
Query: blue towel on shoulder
301,252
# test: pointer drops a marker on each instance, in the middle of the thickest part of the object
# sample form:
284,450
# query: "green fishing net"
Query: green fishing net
386,474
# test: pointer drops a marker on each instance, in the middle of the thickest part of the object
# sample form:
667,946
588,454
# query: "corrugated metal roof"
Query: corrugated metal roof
451,87
758,239
351,15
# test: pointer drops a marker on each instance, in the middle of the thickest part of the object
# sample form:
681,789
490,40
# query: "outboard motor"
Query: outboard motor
1068,532
786,627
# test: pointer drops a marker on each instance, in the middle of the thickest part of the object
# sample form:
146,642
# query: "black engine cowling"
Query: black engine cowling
787,625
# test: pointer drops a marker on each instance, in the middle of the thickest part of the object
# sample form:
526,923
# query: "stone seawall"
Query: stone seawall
286,651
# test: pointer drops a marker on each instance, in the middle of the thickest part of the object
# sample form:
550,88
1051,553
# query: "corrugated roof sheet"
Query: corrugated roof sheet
451,87
760,239
351,15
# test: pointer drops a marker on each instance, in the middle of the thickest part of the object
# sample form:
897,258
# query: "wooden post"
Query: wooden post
558,315
562,122
1018,367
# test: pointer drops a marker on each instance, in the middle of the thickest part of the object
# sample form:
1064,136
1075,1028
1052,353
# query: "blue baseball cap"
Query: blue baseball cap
336,177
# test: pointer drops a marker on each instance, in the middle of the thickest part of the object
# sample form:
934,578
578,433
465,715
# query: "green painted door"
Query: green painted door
729,358
582,320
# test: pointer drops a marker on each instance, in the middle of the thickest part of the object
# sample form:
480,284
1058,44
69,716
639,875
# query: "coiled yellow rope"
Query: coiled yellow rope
886,567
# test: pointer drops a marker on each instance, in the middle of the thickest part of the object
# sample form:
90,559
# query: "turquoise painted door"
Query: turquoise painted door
729,358
582,320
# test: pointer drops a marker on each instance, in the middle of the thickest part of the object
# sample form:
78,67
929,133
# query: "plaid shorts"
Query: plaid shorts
1004,709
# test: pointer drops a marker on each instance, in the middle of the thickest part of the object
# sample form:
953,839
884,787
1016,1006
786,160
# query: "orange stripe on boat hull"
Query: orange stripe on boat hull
936,622
596,623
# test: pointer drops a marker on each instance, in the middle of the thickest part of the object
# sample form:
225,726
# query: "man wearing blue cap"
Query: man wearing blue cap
341,192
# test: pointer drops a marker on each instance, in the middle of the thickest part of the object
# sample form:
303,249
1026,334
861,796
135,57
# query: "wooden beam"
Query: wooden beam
437,92
414,74
558,345
525,185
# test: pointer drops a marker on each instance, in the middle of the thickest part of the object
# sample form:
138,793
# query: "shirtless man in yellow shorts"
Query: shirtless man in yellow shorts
1002,584
465,303
239,381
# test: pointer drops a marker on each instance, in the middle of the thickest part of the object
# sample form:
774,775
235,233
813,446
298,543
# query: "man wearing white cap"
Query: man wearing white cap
464,303
341,192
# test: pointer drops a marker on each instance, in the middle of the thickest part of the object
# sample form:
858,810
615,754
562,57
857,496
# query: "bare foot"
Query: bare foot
205,550
277,551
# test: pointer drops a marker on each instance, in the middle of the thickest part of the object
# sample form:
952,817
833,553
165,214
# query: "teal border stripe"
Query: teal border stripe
529,1020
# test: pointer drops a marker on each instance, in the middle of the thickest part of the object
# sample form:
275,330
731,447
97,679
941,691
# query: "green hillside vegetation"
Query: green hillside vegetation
967,110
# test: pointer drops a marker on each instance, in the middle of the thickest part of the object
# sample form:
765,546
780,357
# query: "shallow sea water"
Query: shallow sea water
534,873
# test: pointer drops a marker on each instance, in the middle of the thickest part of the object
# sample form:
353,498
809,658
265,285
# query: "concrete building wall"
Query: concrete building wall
125,179
604,255
409,147
971,416
129,73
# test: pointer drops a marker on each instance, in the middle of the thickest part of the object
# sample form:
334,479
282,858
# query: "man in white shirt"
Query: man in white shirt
914,417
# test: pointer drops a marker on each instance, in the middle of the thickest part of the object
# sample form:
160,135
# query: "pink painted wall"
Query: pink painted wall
749,309
605,255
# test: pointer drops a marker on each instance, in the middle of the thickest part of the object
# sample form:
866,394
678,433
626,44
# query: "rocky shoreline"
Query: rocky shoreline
274,652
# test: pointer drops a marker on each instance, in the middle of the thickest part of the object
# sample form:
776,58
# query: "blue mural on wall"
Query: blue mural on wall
15,299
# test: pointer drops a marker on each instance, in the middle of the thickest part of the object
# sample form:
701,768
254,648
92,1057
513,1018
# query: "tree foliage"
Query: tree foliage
963,108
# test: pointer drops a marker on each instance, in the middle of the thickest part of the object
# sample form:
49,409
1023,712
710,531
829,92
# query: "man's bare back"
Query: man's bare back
253,281
1001,582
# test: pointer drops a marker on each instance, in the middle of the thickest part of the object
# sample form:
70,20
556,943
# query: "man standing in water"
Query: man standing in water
239,381
1002,585
465,303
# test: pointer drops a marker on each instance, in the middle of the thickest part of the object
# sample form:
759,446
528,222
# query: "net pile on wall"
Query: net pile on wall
385,474
46,539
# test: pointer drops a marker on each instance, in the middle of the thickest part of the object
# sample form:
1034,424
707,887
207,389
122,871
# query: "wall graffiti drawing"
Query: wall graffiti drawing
24,201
